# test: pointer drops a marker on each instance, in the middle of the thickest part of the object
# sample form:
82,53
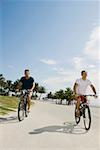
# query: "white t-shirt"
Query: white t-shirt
82,86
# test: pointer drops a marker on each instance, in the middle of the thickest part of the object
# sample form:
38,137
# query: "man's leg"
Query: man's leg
78,105
21,97
29,100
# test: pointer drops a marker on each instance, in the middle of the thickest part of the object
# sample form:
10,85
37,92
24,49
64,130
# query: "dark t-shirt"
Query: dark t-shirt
27,83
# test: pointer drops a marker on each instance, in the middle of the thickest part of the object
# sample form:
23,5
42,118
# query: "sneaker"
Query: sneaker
28,111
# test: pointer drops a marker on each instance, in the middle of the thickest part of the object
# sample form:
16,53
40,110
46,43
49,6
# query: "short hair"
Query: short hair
26,70
82,72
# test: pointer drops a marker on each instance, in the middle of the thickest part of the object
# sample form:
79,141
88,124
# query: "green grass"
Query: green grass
8,104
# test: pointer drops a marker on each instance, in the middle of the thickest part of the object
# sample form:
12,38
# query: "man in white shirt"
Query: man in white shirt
80,88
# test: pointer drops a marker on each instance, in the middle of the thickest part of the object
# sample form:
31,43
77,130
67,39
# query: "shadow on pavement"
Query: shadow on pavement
6,120
68,127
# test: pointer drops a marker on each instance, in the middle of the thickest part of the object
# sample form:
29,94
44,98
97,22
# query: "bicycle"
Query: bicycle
85,112
23,105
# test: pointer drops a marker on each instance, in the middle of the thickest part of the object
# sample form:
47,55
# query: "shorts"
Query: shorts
82,98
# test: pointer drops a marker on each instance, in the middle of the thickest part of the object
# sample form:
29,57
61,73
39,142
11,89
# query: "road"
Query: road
49,127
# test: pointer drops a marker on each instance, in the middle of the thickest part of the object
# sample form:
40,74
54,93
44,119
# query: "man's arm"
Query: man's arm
33,87
93,89
75,87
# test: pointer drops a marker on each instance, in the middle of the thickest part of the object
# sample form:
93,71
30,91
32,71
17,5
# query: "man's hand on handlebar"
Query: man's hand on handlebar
30,90
17,90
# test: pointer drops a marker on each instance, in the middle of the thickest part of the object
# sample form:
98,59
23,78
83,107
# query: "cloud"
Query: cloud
93,75
62,71
82,63
48,61
60,81
11,66
92,48
55,83
78,62
91,53
91,66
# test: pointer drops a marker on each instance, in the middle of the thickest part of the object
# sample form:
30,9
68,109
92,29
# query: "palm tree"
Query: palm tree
36,88
41,90
2,80
59,95
15,84
69,95
9,85
50,95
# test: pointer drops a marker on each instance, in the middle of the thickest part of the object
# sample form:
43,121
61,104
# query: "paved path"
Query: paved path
49,127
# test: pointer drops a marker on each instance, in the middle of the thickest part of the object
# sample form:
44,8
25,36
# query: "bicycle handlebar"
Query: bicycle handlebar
25,91
92,95
89,95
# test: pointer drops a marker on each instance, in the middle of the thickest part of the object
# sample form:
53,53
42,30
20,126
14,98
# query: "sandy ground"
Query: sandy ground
49,127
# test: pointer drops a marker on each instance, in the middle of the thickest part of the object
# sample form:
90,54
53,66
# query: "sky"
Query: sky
54,39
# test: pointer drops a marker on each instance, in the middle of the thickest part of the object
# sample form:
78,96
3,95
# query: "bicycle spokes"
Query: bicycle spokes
87,118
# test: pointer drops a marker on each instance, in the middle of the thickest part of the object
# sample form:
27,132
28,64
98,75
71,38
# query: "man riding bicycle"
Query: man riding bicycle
27,83
80,87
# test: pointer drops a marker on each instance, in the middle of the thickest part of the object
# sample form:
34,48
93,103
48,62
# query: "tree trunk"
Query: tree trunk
60,101
69,102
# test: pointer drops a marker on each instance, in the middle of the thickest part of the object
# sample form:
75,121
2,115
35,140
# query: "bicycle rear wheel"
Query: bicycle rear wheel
87,117
77,118
21,111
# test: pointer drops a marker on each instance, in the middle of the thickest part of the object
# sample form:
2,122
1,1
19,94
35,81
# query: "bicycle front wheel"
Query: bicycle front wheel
21,111
26,109
87,117
77,118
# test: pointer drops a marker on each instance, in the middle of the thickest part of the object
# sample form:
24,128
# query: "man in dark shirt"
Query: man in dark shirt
27,83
